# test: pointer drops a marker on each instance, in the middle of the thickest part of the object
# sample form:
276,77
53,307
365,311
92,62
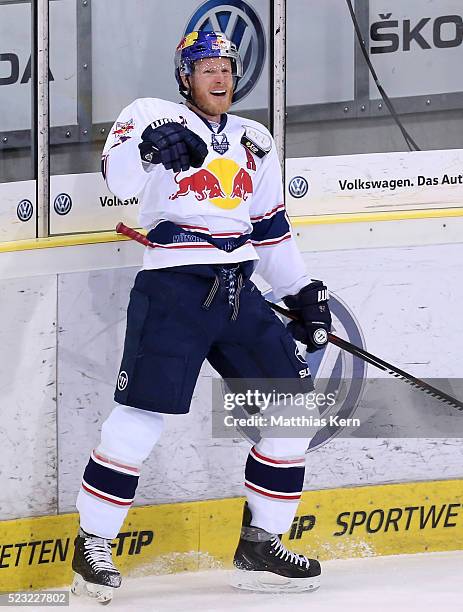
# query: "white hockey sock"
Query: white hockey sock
111,476
274,478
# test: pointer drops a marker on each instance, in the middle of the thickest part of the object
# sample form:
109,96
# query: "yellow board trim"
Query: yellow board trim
399,215
103,237
390,519
60,241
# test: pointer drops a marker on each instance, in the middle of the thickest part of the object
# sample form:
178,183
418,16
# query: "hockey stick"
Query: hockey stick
333,339
380,363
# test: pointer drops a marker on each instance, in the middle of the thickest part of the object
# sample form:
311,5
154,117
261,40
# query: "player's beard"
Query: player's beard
208,103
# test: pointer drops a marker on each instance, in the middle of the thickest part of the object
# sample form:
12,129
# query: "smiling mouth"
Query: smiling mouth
219,93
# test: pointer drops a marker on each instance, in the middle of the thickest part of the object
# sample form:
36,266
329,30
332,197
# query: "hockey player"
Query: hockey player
211,197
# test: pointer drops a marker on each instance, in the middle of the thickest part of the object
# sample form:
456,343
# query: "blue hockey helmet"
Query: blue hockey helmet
200,45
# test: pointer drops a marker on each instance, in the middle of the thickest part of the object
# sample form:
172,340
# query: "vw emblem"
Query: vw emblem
298,187
333,370
241,24
122,380
25,210
62,204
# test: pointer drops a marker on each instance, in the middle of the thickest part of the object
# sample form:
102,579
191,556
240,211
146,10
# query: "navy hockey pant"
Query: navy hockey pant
178,317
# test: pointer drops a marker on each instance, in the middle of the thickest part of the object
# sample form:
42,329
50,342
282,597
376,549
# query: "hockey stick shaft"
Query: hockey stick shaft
332,338
381,364
133,234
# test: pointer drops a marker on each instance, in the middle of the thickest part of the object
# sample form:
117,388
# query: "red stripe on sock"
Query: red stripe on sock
101,496
273,495
110,462
277,461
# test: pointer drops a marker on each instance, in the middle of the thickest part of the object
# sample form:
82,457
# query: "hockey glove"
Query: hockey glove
310,305
172,145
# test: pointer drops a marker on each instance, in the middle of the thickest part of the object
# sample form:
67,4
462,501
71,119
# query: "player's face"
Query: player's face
212,85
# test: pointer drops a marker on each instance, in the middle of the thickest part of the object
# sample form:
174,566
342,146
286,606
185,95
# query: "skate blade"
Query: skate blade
101,593
267,582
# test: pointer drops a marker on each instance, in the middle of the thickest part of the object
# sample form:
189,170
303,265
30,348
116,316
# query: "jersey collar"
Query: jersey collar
223,120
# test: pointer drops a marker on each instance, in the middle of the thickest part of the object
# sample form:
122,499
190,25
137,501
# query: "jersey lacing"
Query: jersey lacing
232,280
97,552
286,555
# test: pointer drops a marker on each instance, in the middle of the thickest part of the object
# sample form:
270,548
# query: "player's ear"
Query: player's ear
185,81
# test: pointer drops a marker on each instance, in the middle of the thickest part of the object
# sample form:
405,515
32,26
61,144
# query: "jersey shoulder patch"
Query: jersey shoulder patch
256,141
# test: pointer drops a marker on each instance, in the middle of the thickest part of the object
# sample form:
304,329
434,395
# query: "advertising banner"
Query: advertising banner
372,183
15,64
83,203
416,46
333,524
17,210
139,60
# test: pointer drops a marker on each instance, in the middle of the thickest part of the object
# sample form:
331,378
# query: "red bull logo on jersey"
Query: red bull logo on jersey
202,183
223,183
242,185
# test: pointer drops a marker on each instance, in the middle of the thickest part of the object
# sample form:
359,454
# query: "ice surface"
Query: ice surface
422,582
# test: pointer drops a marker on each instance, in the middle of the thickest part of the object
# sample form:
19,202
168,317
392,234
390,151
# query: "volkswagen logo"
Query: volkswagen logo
298,187
25,210
241,24
62,204
332,369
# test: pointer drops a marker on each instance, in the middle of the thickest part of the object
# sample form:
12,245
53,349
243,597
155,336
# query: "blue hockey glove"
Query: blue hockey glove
310,305
172,145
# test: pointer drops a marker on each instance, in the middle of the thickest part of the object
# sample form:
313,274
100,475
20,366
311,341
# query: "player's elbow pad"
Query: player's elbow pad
121,188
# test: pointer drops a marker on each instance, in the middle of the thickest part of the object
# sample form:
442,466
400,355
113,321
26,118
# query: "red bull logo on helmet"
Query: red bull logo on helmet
223,183
187,40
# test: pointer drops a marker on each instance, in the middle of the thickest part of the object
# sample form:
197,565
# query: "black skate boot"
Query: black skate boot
95,574
263,563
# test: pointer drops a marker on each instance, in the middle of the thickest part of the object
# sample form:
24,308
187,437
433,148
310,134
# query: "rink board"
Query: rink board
330,524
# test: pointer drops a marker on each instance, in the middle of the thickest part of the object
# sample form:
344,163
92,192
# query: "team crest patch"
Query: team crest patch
220,143
122,130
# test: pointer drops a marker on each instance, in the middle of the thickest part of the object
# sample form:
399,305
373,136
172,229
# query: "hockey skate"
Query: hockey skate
95,574
264,564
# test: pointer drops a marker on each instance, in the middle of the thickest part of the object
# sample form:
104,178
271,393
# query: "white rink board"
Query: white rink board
387,289
11,226
205,468
79,203
28,475
94,208
370,183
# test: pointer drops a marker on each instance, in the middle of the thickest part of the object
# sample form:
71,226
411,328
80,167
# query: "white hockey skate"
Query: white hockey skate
95,574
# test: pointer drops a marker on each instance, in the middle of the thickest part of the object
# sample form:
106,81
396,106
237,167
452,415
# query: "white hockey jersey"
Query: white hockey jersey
230,210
